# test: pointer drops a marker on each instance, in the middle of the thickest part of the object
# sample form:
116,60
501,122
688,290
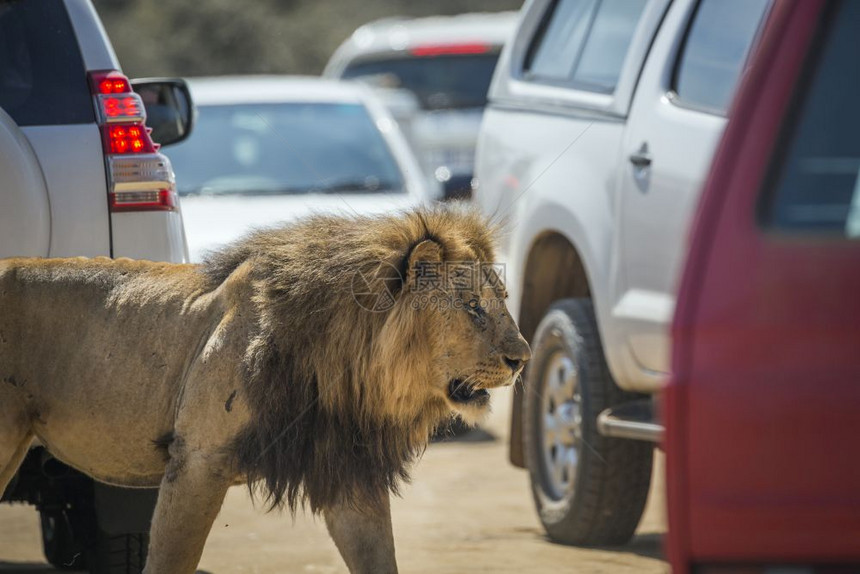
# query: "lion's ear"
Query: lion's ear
428,250
424,257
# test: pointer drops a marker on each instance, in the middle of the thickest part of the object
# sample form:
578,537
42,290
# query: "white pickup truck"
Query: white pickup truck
81,175
602,121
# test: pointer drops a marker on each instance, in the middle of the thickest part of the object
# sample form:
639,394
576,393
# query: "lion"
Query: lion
267,364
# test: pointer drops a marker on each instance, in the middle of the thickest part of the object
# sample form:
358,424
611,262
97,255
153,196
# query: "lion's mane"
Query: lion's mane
333,387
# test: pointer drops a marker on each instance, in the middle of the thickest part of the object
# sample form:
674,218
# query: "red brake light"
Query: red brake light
109,82
111,107
114,85
120,108
450,49
128,139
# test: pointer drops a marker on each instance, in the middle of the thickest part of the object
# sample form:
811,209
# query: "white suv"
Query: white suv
80,175
602,121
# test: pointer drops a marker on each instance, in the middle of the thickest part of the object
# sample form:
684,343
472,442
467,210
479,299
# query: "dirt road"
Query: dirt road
467,510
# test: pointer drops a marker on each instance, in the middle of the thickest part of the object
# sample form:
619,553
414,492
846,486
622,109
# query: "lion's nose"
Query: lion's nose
514,364
517,354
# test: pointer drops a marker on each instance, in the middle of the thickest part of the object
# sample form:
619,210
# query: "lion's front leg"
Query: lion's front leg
189,499
364,537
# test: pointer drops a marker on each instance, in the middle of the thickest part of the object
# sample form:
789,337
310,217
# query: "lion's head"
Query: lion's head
454,296
445,336
370,332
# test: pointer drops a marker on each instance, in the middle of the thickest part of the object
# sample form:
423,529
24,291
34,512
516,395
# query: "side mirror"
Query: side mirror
169,109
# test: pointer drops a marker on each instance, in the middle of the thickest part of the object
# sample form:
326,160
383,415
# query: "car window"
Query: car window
818,186
608,42
583,43
447,81
285,148
715,51
42,76
557,48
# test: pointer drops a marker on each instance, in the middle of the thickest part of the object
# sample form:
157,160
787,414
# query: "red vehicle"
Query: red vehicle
762,421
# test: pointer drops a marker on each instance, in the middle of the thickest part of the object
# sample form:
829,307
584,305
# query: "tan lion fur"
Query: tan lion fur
260,365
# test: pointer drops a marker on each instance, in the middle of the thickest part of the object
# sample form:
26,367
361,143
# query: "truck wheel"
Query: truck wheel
119,554
589,490
62,549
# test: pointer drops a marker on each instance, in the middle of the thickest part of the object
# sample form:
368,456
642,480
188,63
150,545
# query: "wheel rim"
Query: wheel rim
561,423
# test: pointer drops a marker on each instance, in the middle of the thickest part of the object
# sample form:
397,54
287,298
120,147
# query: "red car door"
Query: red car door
763,408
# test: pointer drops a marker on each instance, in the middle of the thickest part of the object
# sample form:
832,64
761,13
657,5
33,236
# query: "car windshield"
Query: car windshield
285,148
439,82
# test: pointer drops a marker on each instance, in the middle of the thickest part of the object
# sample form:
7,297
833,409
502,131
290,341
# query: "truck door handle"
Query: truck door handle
641,158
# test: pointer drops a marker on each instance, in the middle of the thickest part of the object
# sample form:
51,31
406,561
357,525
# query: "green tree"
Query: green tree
213,37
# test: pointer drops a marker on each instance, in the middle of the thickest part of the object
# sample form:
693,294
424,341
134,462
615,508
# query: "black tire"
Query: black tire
121,554
63,549
589,490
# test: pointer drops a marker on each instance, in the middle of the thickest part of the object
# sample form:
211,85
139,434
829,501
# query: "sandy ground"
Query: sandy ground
467,510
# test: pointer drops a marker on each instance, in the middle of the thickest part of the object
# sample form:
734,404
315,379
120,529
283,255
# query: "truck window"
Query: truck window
817,188
583,43
447,81
42,76
715,51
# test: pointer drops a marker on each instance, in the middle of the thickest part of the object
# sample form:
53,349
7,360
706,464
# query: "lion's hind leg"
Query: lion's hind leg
189,499
15,437
10,460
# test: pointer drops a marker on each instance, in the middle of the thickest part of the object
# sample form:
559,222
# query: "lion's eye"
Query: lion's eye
474,306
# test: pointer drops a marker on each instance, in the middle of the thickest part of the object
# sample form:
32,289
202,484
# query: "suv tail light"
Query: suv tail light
139,177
